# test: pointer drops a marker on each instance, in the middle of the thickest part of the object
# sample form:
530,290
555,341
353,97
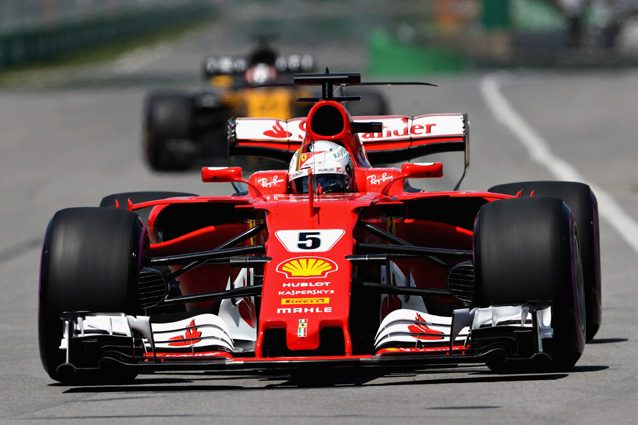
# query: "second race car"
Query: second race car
182,128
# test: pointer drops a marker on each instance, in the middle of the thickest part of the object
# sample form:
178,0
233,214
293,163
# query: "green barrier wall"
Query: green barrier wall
496,14
390,57
37,44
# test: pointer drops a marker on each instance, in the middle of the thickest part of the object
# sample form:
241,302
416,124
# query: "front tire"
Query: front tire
90,261
527,252
582,201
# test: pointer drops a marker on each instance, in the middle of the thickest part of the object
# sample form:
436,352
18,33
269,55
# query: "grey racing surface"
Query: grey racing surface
72,143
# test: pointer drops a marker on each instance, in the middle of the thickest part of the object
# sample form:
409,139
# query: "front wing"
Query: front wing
406,339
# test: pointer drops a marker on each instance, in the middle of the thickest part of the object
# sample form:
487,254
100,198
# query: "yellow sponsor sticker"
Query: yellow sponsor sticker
299,301
304,267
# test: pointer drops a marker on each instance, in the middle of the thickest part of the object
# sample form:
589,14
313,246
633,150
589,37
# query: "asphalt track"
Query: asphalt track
70,145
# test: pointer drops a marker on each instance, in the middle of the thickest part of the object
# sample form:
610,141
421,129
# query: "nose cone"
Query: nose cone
307,283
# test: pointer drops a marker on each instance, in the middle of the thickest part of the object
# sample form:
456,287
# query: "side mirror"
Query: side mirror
422,169
221,174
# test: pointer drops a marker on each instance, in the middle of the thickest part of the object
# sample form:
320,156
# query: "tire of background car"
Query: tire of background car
372,103
215,145
168,118
526,250
582,201
120,200
90,260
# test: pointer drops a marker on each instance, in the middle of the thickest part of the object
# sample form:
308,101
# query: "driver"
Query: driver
331,166
260,73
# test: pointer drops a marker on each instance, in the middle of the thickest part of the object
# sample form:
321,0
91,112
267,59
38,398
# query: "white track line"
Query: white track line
539,152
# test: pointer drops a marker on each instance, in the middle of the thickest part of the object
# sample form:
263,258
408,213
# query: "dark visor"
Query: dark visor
328,182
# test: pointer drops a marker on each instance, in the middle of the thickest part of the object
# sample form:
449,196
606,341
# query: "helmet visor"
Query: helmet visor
330,183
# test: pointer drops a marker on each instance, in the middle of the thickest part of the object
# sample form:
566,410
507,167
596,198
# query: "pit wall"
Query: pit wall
37,43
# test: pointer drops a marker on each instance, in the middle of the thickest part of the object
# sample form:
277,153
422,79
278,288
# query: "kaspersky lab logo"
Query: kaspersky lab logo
304,267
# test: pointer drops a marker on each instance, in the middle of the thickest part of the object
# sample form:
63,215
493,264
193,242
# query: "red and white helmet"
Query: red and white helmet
331,166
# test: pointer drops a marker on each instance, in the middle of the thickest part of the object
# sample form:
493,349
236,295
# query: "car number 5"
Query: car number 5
309,240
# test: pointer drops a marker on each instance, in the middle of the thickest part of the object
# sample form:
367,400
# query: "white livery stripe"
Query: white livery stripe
539,152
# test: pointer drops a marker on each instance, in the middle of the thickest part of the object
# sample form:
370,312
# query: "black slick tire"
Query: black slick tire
582,201
90,261
526,252
168,120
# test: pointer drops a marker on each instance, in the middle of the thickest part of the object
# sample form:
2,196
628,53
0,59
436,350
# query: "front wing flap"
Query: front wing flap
406,339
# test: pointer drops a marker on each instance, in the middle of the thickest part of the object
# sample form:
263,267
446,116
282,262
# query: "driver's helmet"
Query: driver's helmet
260,73
331,166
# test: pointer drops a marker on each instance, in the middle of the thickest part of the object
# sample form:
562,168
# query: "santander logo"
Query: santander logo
423,332
407,128
278,132
190,337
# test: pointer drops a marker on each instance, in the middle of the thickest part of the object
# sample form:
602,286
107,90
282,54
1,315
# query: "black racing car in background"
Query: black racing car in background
188,128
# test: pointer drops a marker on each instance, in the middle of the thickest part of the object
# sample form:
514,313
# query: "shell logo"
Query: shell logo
307,267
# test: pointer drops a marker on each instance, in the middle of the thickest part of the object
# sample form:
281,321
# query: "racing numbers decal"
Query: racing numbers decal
309,240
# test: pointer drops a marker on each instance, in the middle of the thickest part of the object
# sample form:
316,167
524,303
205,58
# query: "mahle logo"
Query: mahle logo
307,267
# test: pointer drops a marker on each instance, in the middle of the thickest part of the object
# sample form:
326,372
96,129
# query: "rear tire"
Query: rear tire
90,261
527,252
168,131
582,201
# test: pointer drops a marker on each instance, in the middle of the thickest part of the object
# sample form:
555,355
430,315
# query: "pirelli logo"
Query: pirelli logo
302,301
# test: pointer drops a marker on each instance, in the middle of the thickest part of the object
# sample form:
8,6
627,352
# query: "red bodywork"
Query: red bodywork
305,293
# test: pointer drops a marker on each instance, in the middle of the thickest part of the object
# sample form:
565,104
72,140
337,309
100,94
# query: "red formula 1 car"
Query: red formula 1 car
334,262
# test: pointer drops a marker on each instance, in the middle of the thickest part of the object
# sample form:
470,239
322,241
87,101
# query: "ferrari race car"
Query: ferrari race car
335,263
182,129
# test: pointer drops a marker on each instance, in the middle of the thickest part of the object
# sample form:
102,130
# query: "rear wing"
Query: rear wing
237,65
402,137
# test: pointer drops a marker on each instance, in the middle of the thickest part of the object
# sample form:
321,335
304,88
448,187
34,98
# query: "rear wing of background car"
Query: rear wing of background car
237,65
401,137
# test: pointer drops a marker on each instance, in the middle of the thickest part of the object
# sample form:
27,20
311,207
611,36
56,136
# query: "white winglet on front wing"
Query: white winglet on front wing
234,329
240,315
410,327
406,327
203,331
